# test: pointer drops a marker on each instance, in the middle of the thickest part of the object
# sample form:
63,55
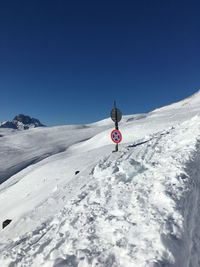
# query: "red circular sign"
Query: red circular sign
116,136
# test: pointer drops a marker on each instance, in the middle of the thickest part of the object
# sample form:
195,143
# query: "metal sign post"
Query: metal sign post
116,116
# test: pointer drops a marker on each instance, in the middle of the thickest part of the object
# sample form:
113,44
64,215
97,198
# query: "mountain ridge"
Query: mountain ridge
22,122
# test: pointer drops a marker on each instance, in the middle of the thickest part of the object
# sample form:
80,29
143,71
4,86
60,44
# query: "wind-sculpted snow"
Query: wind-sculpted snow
136,208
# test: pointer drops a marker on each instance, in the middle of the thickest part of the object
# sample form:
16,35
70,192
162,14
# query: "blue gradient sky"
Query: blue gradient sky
66,61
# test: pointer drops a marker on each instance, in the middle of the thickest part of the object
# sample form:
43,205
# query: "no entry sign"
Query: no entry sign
116,136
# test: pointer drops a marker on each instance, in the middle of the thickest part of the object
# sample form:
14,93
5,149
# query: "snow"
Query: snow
137,207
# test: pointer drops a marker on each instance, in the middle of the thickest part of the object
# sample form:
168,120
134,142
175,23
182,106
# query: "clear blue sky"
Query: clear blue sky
66,61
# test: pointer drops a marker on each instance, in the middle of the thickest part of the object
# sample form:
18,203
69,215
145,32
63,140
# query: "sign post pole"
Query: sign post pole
116,147
116,116
116,124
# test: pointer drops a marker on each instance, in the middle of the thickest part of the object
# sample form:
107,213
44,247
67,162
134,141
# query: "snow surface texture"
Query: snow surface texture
137,207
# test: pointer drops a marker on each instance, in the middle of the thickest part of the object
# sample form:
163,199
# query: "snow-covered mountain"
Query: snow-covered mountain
21,122
74,203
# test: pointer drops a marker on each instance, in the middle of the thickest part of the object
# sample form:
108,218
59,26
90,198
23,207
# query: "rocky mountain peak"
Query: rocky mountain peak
22,122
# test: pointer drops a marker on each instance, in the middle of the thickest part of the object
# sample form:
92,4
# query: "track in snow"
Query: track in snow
139,207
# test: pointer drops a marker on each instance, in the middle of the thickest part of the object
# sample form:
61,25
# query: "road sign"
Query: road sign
116,136
116,115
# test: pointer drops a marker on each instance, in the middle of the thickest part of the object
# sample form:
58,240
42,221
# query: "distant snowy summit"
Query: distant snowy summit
22,122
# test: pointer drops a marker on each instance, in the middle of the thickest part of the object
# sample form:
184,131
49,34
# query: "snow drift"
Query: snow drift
138,207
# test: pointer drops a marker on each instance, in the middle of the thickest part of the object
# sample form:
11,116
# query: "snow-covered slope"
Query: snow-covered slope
138,207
